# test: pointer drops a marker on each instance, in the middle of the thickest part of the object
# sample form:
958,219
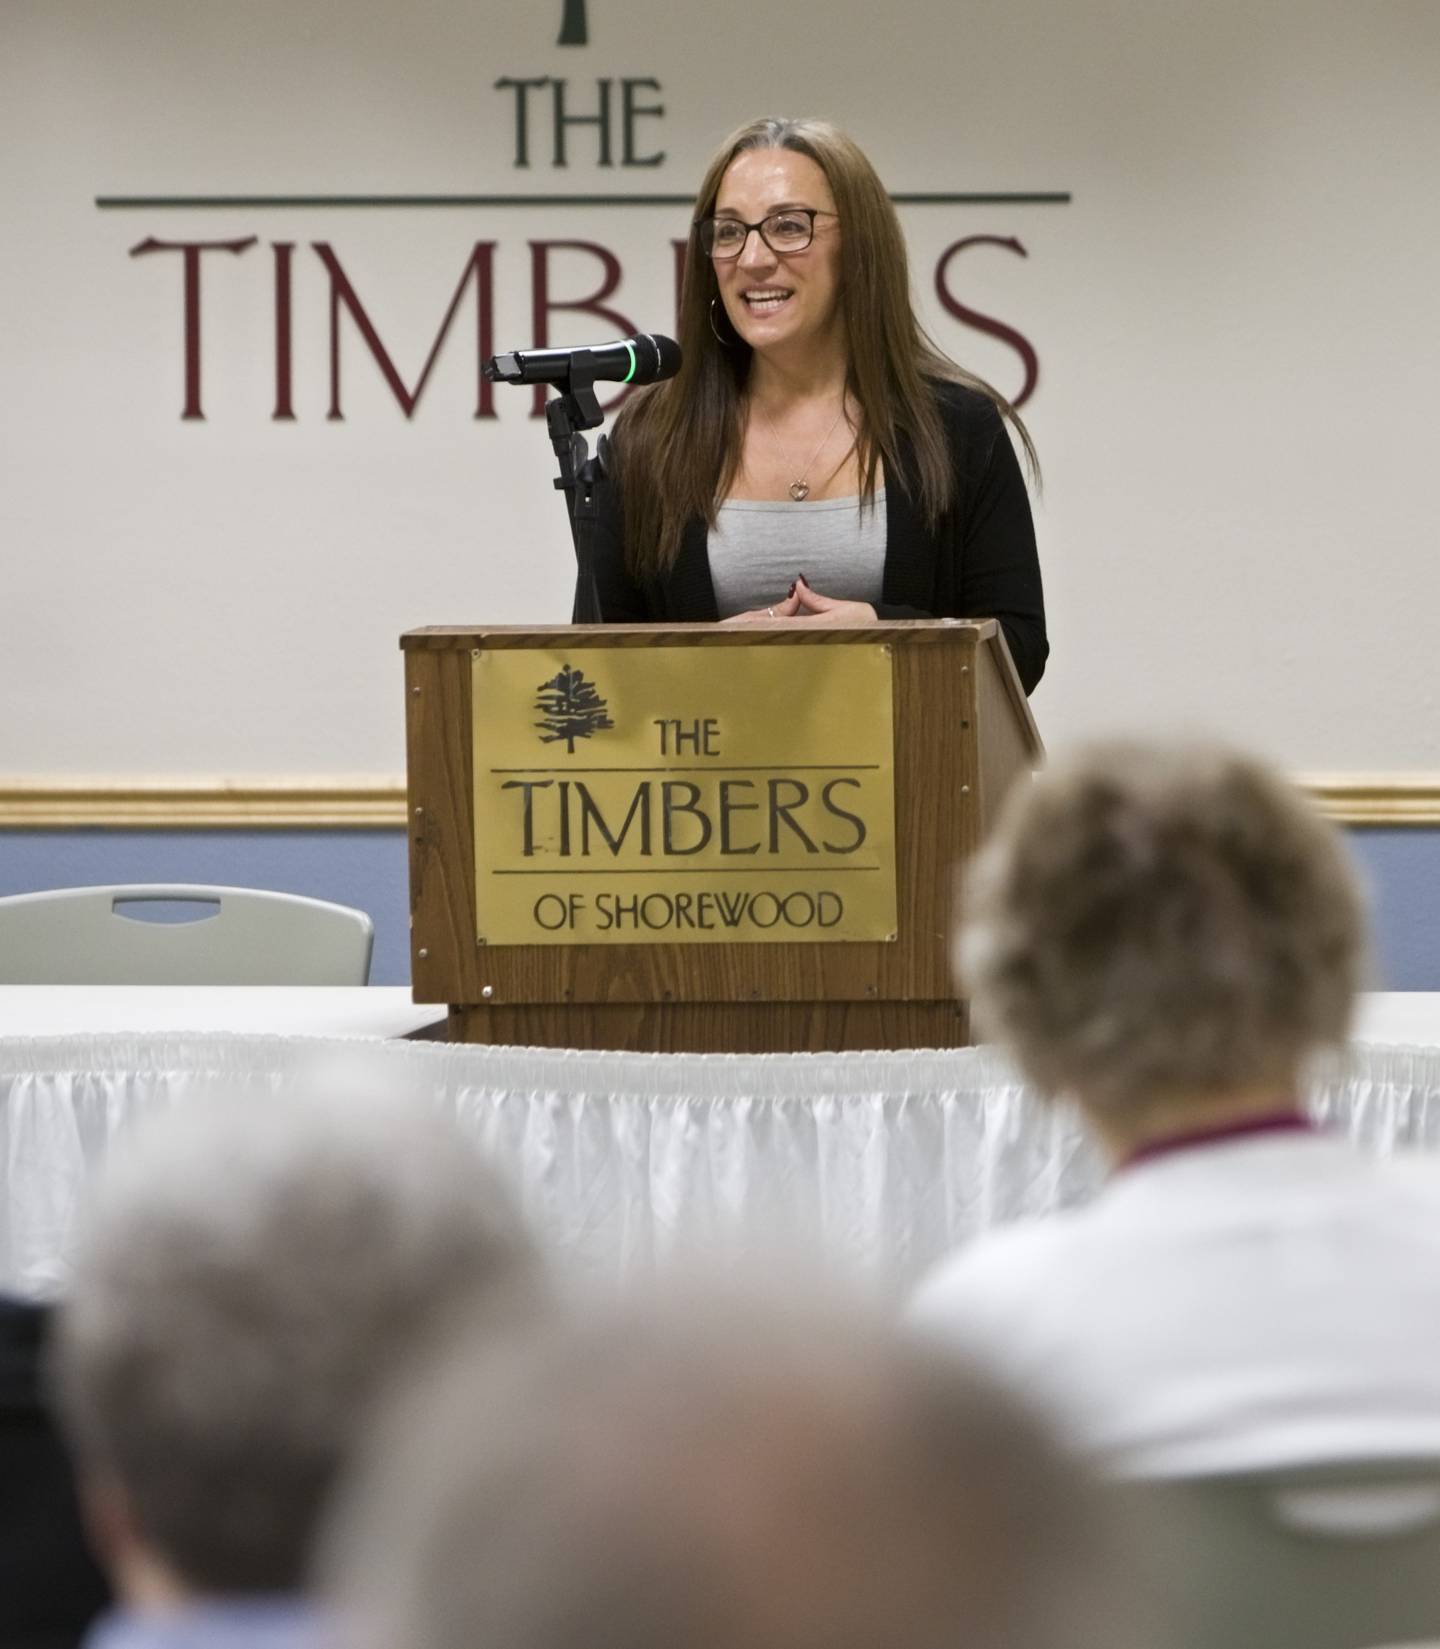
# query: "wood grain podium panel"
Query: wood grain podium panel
751,996
1010,745
719,1027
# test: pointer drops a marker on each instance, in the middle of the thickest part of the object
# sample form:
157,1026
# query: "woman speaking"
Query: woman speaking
817,458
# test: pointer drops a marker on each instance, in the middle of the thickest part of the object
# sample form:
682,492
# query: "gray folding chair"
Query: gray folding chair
1320,1558
180,935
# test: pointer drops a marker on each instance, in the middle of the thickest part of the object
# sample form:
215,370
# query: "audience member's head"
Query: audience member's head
717,1476
1156,927
250,1279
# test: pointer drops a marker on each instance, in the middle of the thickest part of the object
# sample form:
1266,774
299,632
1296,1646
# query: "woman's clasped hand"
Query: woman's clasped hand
803,602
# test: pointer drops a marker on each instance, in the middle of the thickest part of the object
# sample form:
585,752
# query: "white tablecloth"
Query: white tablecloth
883,1162
174,1010
1399,1018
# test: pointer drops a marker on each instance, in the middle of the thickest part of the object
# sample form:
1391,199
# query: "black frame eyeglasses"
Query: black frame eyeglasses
767,228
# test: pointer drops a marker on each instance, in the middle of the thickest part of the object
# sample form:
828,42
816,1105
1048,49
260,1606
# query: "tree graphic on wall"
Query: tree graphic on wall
572,708
573,31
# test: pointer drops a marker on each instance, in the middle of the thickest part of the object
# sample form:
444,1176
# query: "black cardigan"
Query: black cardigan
980,563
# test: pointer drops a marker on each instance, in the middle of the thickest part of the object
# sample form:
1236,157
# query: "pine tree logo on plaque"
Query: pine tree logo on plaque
572,707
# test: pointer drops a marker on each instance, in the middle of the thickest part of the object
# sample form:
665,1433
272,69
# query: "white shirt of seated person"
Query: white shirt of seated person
1264,1298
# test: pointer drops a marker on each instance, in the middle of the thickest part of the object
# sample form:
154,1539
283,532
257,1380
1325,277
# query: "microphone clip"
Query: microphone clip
577,401
577,408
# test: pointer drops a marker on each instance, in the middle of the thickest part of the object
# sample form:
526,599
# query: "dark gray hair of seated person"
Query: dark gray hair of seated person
252,1275
718,1475
1151,922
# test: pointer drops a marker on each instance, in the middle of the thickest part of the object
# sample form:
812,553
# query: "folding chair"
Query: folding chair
1334,1557
180,935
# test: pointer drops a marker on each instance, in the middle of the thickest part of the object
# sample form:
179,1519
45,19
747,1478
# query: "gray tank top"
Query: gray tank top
757,546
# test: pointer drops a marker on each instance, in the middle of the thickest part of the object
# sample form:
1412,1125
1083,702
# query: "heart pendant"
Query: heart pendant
799,491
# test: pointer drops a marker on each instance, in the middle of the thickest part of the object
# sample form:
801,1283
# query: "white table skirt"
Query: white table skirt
881,1162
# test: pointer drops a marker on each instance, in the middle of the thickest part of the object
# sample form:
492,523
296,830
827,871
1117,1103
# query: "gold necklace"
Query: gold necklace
800,486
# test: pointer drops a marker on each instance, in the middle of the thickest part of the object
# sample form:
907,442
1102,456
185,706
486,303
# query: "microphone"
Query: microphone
643,359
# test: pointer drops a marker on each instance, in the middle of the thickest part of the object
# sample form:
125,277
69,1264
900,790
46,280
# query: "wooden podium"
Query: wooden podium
962,733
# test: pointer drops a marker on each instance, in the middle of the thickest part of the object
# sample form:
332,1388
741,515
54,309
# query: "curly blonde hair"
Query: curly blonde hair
1150,923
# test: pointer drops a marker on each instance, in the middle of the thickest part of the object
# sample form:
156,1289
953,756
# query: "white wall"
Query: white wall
1236,322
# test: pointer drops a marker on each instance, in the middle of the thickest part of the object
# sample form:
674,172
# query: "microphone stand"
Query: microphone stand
576,408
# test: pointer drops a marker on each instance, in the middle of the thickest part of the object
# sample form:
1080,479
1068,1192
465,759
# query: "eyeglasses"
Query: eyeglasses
789,231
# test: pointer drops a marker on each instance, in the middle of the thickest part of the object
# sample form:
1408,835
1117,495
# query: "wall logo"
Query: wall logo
572,707
609,126
573,31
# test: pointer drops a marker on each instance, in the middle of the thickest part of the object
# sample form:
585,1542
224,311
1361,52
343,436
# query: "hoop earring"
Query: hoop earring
720,339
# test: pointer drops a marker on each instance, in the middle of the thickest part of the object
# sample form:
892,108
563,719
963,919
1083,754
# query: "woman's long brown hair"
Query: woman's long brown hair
677,444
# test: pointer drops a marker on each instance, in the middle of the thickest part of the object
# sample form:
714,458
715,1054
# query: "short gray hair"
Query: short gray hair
250,1276
1155,921
714,1475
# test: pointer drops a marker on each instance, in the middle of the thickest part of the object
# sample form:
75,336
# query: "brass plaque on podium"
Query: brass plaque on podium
684,795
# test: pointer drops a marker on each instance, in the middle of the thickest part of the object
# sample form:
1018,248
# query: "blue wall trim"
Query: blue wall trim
367,869
1402,868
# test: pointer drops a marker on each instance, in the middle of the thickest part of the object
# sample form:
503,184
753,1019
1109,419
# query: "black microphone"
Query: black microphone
643,359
